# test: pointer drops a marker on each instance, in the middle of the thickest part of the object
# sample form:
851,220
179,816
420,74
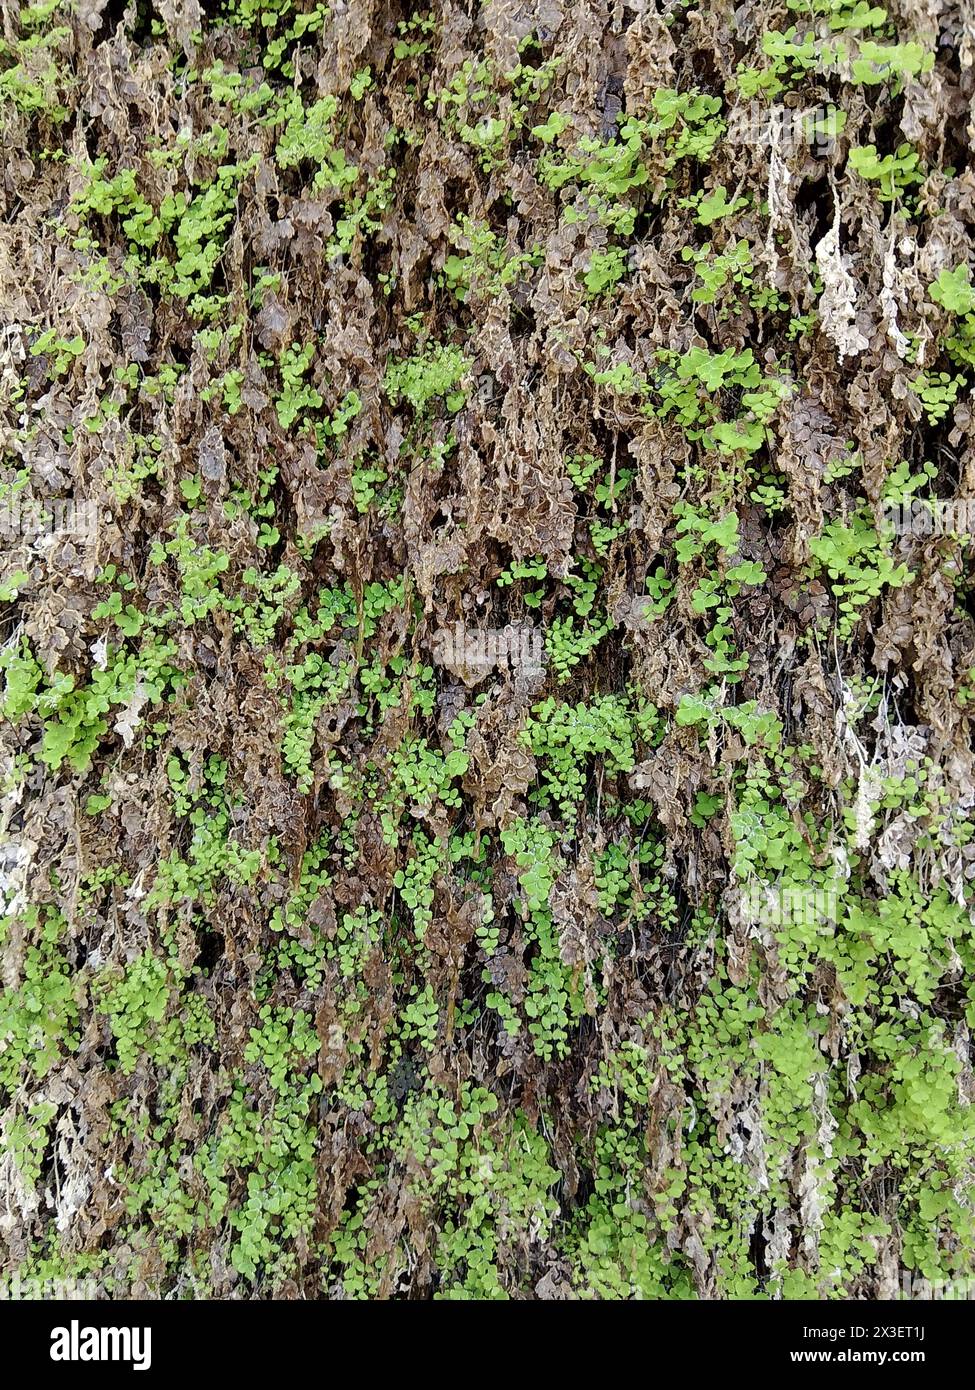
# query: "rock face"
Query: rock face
487,792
